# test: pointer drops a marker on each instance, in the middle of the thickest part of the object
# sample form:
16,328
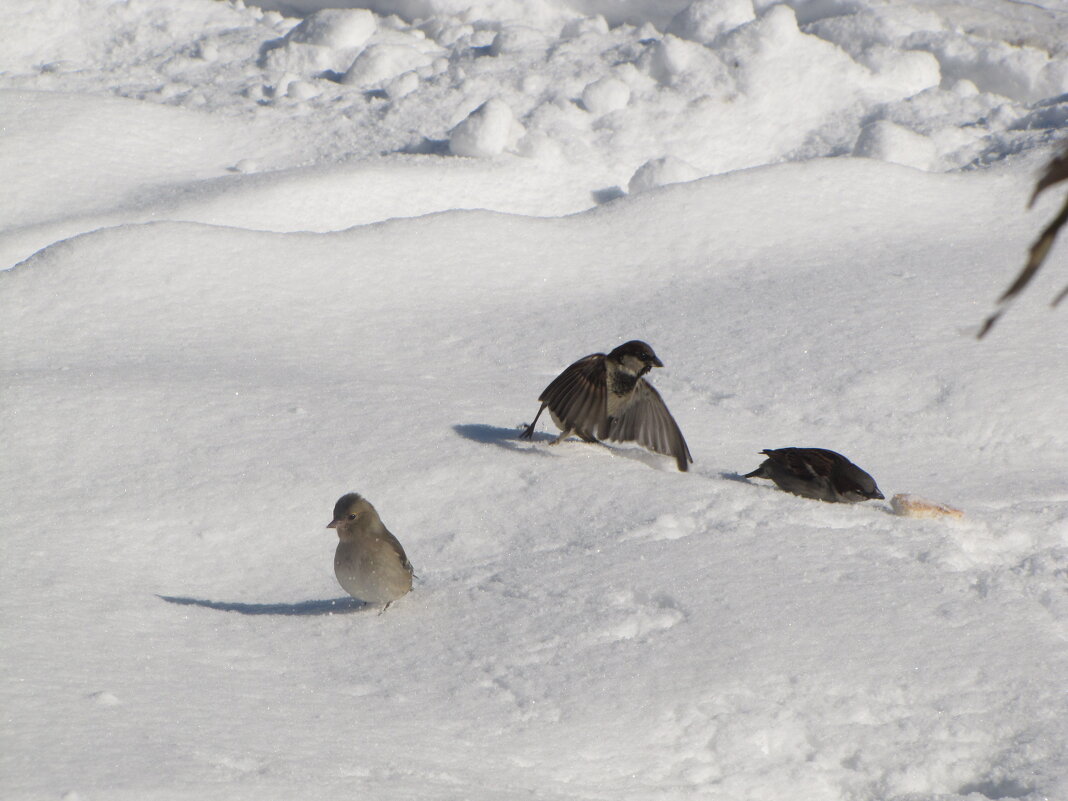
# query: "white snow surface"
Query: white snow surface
252,258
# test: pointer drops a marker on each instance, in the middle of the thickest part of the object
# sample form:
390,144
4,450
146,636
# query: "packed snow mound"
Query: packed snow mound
335,28
888,141
138,146
576,96
720,86
660,172
486,132
706,20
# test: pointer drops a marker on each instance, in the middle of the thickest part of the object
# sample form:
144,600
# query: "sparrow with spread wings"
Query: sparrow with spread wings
605,397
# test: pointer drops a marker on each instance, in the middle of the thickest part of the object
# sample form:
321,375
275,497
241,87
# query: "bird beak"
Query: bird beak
332,525
657,362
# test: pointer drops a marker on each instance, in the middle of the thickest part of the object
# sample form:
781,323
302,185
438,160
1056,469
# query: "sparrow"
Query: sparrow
817,473
369,562
605,397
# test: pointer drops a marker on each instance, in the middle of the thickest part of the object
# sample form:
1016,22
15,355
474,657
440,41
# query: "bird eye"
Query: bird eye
352,517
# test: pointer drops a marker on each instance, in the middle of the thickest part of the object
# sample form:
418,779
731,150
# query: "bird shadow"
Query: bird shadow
508,438
501,437
736,477
333,606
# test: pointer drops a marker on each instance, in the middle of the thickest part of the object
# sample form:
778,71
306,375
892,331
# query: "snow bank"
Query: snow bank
596,90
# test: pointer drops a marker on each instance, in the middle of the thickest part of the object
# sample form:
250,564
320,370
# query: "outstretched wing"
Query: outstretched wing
578,395
646,420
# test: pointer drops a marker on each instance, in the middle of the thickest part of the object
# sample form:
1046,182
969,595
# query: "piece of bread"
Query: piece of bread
913,506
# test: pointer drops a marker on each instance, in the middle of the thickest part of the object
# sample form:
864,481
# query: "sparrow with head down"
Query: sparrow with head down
817,473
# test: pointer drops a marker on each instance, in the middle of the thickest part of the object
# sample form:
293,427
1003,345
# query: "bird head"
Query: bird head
348,508
864,491
635,357
856,485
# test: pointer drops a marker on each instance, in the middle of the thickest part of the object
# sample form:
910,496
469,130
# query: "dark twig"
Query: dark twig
1056,172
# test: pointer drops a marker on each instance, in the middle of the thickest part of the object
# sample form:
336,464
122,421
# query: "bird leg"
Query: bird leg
567,432
528,433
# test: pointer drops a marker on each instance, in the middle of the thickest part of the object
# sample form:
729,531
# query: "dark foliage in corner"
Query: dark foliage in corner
1056,172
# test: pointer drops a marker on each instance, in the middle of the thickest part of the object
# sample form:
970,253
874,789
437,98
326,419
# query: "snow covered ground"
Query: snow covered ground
257,257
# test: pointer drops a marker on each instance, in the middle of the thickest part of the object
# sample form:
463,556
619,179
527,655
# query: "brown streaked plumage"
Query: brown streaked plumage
817,473
605,397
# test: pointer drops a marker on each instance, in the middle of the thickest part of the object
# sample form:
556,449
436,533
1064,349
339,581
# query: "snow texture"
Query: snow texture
255,257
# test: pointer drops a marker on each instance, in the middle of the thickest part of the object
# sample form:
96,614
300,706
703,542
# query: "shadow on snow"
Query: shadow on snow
508,438
302,608
501,437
